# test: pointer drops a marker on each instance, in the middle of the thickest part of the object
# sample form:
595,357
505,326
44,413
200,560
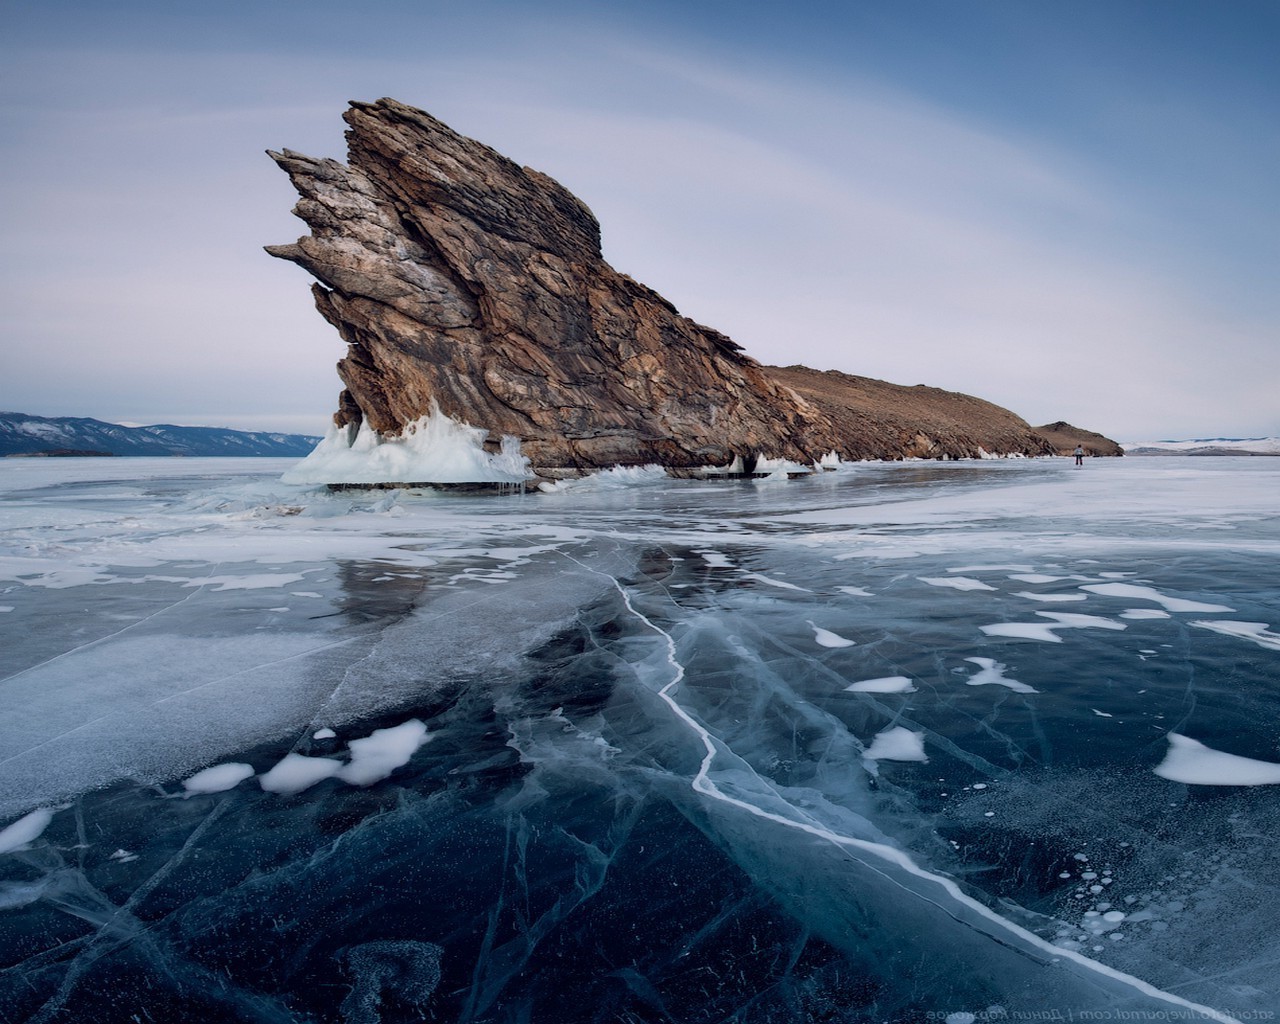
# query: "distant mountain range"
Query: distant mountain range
22,434
1206,446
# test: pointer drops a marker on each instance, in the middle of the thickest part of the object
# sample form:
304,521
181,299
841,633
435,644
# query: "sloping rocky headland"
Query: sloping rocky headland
459,278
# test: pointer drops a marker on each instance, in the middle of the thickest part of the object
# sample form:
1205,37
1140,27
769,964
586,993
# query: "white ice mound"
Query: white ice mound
896,744
434,449
1192,762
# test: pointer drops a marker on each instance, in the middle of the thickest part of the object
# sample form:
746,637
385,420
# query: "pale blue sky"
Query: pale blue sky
1069,207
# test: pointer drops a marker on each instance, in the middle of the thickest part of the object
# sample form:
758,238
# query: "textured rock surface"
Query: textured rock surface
1064,438
877,420
457,276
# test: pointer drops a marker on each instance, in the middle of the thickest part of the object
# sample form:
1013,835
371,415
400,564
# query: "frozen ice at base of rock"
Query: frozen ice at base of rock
433,449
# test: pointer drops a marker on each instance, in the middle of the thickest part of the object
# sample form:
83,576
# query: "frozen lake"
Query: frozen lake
903,742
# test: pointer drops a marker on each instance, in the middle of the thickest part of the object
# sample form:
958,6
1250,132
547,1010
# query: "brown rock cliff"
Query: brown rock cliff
459,277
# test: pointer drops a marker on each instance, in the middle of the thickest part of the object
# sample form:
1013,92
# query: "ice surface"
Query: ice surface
885,684
1192,762
629,720
826,638
896,744
433,449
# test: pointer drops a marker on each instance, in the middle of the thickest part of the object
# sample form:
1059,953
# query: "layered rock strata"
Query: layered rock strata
459,277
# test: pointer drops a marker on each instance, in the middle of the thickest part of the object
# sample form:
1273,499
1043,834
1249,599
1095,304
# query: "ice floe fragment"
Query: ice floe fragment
955,582
296,772
1190,761
1044,631
380,753
896,744
218,778
991,671
1255,631
1137,593
25,830
826,638
887,684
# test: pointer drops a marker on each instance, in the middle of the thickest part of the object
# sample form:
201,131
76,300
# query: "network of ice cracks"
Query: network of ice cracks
254,539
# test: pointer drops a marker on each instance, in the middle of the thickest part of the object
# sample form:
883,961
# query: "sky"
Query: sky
1067,207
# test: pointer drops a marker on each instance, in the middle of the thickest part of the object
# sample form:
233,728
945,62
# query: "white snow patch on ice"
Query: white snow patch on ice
380,753
771,581
1192,762
1137,593
323,734
1255,631
1037,577
855,591
1045,631
6,607
991,672
255,581
433,449
826,638
296,772
26,829
886,684
955,582
896,744
218,778
1050,597
1144,613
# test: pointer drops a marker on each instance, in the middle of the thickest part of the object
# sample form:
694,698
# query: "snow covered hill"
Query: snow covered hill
23,434
1206,446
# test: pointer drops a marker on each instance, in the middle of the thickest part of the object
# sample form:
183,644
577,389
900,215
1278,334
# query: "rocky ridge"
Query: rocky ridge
1064,438
458,277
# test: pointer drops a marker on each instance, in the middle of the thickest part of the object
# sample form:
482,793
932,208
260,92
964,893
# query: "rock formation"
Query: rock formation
1064,438
457,276
877,420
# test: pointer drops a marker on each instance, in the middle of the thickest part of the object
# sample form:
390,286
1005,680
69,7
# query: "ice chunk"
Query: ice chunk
886,684
1255,631
992,672
955,582
826,638
25,830
896,744
218,778
433,449
1190,761
380,753
296,772
1173,604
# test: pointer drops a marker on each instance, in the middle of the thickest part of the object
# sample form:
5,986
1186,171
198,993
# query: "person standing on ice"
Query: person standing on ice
1079,454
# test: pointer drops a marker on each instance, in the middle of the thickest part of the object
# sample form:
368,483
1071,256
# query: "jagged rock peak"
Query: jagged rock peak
455,274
